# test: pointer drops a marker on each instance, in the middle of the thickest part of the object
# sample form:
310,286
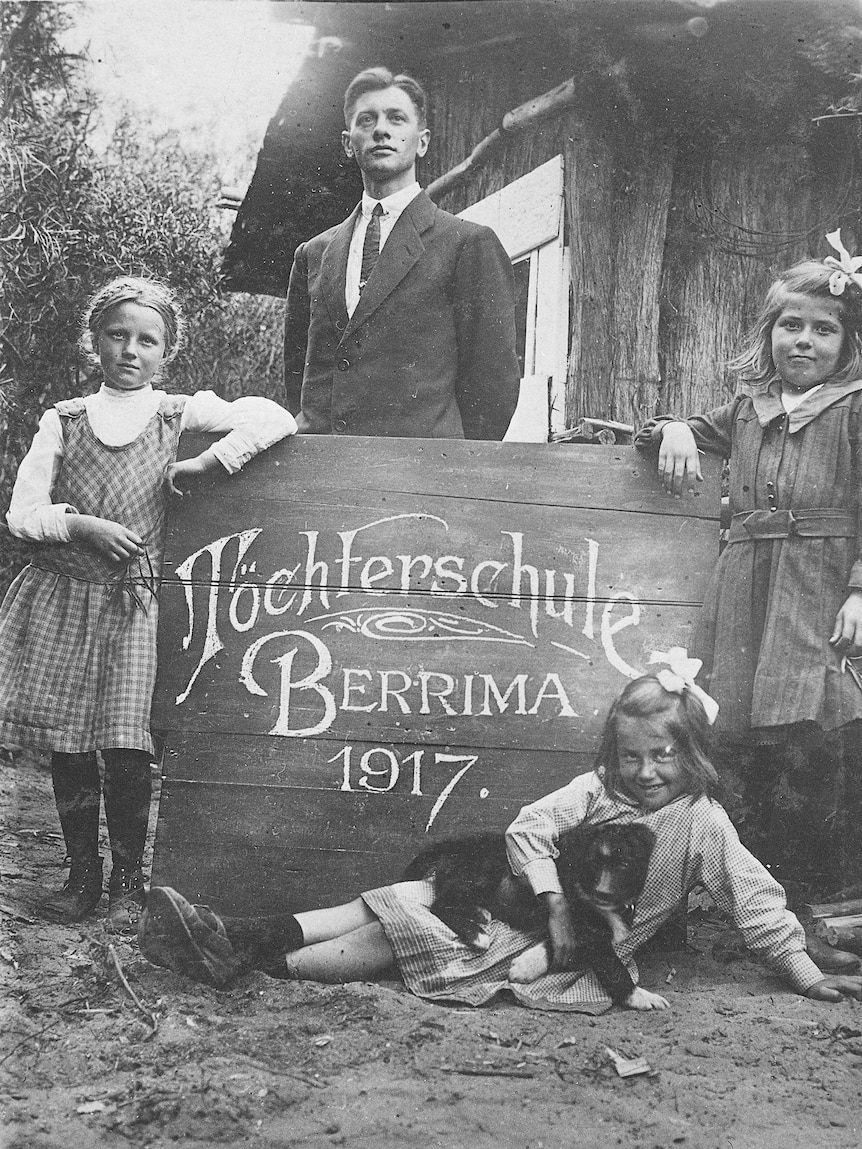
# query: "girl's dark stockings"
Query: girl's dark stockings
77,792
128,788
261,943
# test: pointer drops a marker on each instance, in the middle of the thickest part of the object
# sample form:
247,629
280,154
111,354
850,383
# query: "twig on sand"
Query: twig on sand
151,1017
488,1070
31,1037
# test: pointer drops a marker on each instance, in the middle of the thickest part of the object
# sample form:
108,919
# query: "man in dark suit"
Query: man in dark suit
400,321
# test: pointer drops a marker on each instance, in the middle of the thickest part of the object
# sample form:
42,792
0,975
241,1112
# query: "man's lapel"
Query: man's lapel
333,270
400,252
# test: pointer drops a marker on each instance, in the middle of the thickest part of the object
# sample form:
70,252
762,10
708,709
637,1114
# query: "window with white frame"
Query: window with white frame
527,215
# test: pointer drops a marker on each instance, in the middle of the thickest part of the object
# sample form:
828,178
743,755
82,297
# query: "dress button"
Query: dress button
343,364
340,425
770,484
772,510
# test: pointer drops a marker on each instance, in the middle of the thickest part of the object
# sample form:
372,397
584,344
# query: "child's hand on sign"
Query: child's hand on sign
678,459
186,469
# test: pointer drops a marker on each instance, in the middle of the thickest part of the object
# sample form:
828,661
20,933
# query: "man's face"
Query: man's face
385,139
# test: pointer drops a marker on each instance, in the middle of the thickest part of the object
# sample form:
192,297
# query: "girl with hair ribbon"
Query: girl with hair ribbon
783,617
78,625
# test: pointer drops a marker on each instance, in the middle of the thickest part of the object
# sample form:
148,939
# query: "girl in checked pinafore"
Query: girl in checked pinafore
784,613
78,625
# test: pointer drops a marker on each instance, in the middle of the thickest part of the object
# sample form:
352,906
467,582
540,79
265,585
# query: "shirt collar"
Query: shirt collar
393,204
768,405
115,395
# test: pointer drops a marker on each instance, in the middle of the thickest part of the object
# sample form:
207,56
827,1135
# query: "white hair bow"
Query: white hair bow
680,676
847,266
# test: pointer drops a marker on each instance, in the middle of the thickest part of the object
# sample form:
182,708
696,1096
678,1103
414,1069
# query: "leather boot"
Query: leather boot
126,899
80,894
127,811
194,941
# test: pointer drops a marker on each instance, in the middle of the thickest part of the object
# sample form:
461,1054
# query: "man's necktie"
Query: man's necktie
370,246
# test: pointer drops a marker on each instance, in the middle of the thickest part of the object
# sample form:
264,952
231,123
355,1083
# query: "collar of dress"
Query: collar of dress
768,405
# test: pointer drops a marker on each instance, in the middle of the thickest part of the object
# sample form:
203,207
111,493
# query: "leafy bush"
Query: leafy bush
70,219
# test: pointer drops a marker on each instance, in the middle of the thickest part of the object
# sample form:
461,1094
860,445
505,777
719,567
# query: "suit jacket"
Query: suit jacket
430,349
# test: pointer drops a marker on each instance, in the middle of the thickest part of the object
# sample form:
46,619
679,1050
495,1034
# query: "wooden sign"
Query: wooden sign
368,643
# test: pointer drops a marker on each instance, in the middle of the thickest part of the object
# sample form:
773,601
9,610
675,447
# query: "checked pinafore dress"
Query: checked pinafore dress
77,631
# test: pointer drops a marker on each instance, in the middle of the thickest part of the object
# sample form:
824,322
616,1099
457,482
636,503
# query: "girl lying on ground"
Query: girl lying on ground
652,767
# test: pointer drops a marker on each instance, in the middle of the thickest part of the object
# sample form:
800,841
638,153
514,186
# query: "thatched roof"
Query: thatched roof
766,67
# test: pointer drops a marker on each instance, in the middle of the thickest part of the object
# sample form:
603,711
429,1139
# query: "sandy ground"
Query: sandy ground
99,1048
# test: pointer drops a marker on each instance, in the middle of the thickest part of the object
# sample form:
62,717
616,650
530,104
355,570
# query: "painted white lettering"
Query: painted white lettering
609,629
552,687
566,613
387,691
273,590
359,687
389,771
289,686
589,613
445,574
212,642
368,578
477,574
313,567
254,607
467,707
408,562
519,568
518,684
448,685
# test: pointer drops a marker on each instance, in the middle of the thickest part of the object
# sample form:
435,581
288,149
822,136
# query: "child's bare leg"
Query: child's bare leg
361,953
332,922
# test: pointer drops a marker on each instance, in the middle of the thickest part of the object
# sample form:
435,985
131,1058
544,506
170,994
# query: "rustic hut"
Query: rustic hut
648,164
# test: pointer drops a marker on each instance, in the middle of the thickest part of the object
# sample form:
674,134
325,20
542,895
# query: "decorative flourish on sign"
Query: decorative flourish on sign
400,624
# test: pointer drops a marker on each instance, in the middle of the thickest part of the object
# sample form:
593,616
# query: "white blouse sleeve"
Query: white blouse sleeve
31,513
252,423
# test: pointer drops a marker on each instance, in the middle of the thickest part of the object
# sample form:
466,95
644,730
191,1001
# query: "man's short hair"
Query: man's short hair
375,80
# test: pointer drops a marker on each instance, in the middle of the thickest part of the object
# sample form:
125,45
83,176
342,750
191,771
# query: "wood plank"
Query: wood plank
564,475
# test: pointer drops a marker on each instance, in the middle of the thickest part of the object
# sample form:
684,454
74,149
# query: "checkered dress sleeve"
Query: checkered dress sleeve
531,838
746,891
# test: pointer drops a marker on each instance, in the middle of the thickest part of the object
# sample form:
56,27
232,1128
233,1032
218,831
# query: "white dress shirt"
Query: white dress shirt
392,206
118,417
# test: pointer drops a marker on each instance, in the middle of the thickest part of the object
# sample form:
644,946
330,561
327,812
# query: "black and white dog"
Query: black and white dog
602,871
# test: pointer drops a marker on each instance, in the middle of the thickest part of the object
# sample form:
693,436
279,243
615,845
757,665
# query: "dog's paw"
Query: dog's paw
644,999
529,965
478,937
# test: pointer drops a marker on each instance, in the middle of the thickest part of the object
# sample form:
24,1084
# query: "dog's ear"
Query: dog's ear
575,845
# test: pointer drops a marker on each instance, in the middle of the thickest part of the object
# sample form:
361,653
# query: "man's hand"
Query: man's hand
678,459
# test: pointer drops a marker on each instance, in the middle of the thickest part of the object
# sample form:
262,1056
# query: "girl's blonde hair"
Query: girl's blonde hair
687,723
133,289
754,362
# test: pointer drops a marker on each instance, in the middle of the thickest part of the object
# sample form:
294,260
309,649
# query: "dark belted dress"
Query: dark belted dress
792,558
